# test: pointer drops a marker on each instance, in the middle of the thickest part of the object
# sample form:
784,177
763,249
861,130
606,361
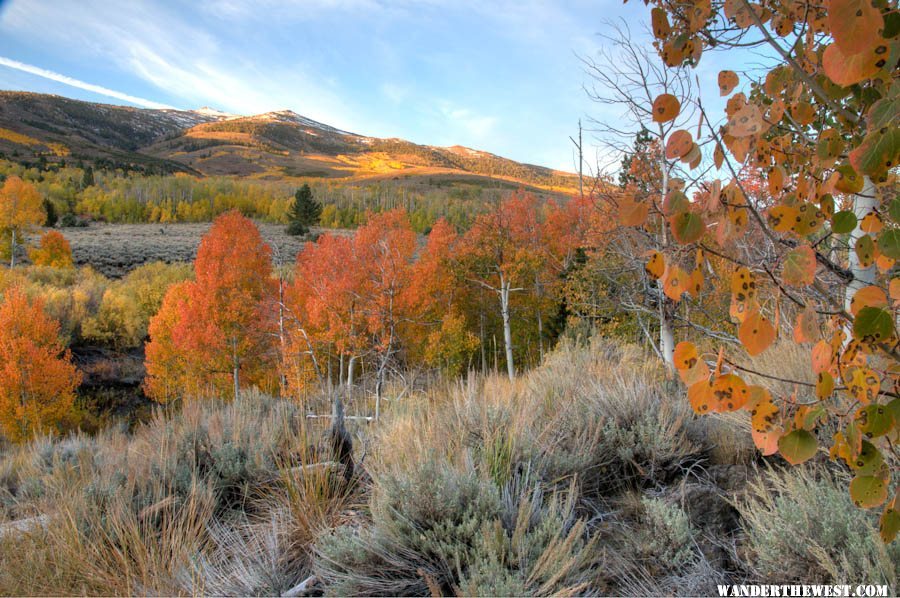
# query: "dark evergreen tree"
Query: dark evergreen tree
88,178
304,212
52,216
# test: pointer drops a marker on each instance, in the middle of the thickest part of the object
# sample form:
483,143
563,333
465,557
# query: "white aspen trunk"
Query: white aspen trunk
666,335
507,330
12,253
350,371
863,203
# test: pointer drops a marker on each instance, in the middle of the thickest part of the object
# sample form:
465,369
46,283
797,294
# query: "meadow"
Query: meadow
588,475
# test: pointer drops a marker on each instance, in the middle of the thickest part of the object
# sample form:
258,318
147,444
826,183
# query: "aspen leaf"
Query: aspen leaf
871,223
895,291
889,243
665,108
700,396
864,384
656,265
822,357
845,70
806,328
867,460
867,491
782,218
687,227
679,144
873,325
889,522
870,296
633,213
855,24
849,181
800,266
660,23
728,80
843,222
746,121
865,251
776,179
685,355
691,376
808,220
730,393
756,333
767,442
798,446
824,385
675,282
874,420
878,153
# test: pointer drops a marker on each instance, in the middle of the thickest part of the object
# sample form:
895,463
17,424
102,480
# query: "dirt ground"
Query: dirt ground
115,249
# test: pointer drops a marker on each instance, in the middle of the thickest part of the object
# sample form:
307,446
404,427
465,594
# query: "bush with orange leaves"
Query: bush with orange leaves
54,251
37,377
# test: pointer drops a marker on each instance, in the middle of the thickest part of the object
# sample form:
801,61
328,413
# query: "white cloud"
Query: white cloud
477,126
167,50
35,70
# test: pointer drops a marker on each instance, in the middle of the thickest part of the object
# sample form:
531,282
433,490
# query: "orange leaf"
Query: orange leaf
756,333
728,80
656,265
665,108
870,296
730,393
767,442
855,24
800,266
675,282
633,213
685,355
822,357
806,328
847,69
746,122
864,384
679,144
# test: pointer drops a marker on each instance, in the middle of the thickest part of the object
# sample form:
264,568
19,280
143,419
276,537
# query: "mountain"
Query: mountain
274,145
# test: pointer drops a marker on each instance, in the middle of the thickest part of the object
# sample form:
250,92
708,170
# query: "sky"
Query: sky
502,76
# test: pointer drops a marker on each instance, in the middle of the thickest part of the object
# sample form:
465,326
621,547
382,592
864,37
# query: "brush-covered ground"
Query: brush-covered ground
589,475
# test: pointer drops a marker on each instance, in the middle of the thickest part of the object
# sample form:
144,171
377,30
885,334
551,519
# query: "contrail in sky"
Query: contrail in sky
34,70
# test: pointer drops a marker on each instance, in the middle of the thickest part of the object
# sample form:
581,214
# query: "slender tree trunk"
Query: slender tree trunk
350,371
507,330
540,327
12,253
666,334
863,203
236,366
484,365
281,336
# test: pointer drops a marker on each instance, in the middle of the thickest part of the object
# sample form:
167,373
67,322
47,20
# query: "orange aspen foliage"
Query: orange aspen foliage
37,377
54,251
221,327
20,211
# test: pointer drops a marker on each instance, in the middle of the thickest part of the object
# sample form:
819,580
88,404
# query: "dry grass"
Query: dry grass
589,475
196,502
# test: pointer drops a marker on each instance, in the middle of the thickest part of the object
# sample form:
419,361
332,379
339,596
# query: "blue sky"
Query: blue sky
497,75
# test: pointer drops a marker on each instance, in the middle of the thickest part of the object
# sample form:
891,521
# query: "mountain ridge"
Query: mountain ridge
207,141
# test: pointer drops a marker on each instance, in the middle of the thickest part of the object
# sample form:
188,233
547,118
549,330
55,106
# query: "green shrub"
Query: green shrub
441,529
802,527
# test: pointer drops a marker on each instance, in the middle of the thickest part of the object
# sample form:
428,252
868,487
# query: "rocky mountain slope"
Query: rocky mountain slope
273,145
